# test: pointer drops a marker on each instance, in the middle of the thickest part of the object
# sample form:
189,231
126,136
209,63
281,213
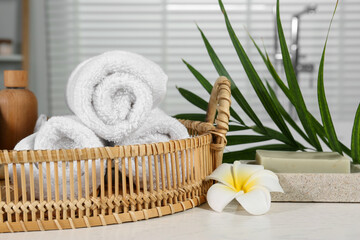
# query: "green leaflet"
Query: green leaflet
278,136
233,128
321,133
201,79
191,116
208,87
355,138
249,153
256,82
299,102
194,99
237,95
285,114
319,129
323,105
243,139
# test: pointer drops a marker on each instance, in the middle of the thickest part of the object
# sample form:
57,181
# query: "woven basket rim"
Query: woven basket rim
119,151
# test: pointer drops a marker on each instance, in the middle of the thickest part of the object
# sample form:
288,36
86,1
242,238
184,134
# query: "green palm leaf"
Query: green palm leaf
321,133
243,139
319,129
208,87
233,128
271,69
294,85
201,79
286,115
312,128
323,105
191,116
237,95
193,98
249,153
355,138
278,136
255,80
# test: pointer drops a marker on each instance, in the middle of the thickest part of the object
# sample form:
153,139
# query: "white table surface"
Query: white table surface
284,221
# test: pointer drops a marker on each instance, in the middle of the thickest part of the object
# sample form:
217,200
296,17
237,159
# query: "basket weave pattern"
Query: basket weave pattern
172,180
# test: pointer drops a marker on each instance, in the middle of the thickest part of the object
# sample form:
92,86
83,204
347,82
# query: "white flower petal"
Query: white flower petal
242,172
223,174
219,195
266,179
257,201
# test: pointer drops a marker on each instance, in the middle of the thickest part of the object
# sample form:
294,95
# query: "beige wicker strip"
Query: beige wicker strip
172,178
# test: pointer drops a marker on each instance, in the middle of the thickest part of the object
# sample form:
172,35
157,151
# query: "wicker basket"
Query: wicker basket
173,179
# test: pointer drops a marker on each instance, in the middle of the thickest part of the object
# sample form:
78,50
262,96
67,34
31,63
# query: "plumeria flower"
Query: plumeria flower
249,184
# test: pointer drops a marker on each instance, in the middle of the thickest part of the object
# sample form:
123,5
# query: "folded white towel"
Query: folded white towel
66,132
113,93
63,132
158,127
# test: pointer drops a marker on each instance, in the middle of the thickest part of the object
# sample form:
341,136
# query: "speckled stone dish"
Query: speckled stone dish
319,187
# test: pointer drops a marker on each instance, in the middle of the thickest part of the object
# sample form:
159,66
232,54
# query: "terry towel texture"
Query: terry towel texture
158,127
113,93
65,132
60,133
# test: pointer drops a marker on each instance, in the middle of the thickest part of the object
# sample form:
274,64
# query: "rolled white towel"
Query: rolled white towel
113,93
63,132
66,132
158,127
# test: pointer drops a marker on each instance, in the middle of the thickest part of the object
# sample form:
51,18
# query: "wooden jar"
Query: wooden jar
18,109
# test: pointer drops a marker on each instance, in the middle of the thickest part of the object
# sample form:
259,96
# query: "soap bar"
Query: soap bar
303,162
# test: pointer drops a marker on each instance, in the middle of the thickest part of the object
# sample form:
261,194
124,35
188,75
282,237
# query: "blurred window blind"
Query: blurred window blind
165,31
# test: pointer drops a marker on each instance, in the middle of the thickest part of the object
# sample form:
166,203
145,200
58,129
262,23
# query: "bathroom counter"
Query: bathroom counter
283,221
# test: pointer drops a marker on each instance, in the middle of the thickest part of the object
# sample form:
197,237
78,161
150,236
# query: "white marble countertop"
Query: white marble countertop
283,221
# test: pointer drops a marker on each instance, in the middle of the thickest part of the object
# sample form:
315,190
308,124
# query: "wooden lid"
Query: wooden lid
15,78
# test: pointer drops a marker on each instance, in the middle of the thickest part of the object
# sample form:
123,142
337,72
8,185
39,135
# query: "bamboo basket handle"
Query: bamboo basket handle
220,101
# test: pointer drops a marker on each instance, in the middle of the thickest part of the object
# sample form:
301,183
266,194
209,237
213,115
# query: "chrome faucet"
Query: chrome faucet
295,33
294,47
